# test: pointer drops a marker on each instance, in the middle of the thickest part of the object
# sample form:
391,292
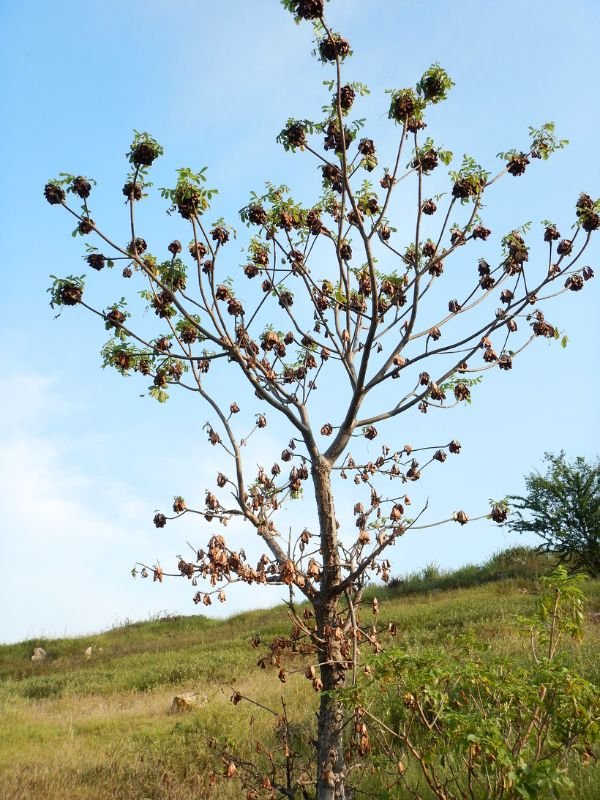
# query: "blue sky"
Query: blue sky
81,475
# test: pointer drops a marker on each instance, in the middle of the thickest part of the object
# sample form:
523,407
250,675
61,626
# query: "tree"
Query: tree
562,507
345,304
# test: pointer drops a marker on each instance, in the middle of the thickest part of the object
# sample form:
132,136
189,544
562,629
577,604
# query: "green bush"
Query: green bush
470,723
40,688
519,563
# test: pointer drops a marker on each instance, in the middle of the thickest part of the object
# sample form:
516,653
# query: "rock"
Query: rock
39,654
187,701
88,653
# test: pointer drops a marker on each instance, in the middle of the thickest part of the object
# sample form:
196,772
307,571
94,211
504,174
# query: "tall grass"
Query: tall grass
72,729
516,563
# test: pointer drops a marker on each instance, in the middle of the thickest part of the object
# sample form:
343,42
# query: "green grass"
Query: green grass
100,729
517,563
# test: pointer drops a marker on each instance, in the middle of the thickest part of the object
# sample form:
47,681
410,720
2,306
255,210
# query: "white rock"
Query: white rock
187,701
39,654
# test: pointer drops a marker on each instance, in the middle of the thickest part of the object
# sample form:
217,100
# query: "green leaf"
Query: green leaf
158,394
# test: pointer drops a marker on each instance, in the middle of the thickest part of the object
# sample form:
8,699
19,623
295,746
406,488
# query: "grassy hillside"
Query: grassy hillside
100,728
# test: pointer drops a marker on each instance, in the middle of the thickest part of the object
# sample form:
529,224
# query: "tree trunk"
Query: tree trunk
331,768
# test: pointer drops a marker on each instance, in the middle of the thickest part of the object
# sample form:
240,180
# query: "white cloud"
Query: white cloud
73,527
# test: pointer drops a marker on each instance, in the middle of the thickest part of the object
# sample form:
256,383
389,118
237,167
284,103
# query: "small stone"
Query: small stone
39,654
187,701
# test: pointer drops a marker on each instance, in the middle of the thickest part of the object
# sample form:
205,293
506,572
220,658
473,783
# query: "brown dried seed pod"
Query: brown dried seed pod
435,269
257,214
454,447
160,520
179,505
574,283
251,271
428,249
428,207
462,391
197,250
366,147
96,260
345,251
296,135
565,247
403,105
461,517
132,191
333,176
309,9
499,514
590,221
427,161
137,246
115,317
81,187
220,234
436,392
347,96
584,202
86,226
480,232
334,140
314,223
333,47
551,234
71,294
516,164
414,124
54,194
234,307
466,187
143,154
457,237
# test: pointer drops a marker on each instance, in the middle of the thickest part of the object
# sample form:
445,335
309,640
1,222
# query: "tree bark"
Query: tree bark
331,768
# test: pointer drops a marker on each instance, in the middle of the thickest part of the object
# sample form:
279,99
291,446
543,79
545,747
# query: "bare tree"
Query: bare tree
378,320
